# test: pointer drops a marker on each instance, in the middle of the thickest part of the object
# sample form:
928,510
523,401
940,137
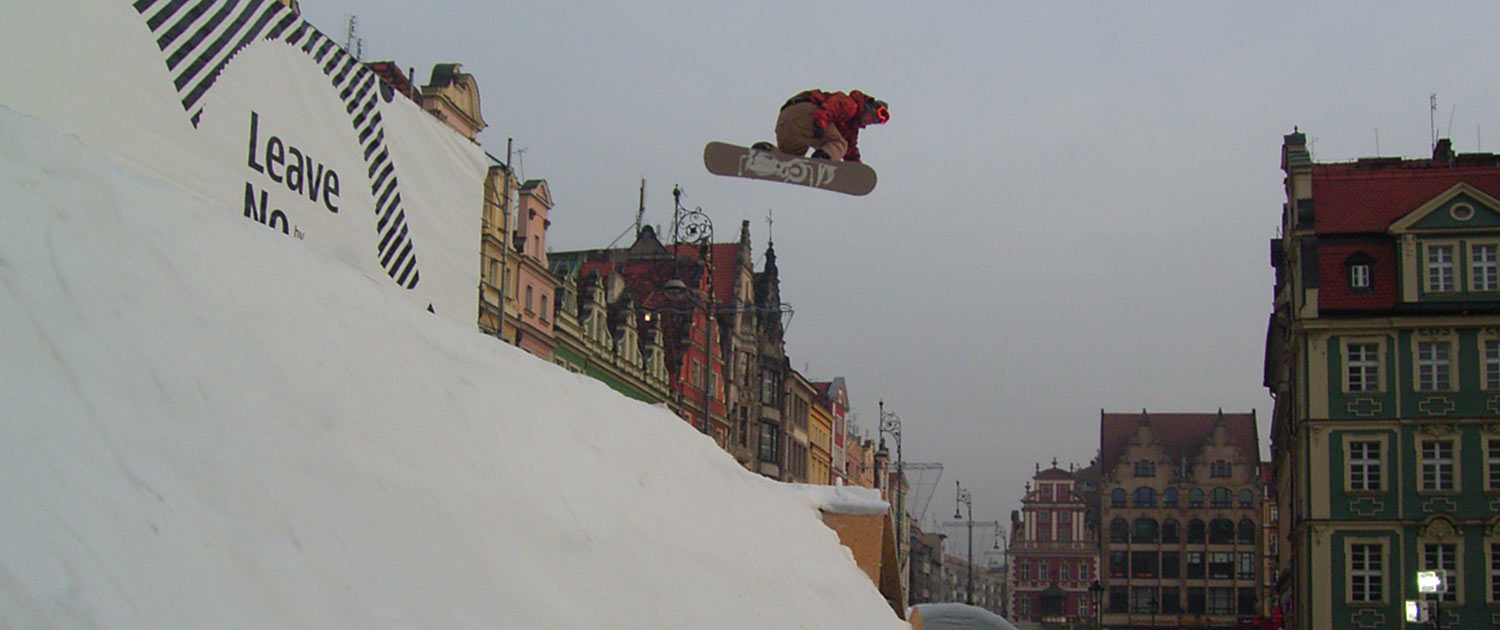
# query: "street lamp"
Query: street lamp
1096,593
694,227
963,499
890,423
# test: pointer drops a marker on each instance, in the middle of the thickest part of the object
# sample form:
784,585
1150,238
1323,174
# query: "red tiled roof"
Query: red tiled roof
1052,474
1351,198
1182,435
1333,284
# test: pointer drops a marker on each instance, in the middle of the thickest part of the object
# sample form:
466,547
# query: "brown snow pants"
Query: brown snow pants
794,133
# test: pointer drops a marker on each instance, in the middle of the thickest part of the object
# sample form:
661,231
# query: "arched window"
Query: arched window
1117,497
1195,498
1145,530
1220,498
1171,531
1145,497
1220,531
1245,534
1169,498
1119,530
1196,531
1247,498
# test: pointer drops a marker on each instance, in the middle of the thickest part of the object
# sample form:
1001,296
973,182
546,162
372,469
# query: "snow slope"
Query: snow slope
206,424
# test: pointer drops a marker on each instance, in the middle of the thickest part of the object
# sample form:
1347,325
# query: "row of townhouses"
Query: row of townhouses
1170,526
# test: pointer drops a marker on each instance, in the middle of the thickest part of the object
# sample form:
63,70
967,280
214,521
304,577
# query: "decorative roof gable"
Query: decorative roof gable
1462,207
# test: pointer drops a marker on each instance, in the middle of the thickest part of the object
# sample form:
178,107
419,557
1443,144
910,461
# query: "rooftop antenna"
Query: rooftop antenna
640,210
353,43
521,164
1377,141
1432,118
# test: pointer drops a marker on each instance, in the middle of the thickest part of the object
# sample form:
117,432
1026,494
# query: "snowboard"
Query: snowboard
851,178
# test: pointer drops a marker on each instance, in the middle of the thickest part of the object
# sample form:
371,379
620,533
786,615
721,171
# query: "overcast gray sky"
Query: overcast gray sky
1075,199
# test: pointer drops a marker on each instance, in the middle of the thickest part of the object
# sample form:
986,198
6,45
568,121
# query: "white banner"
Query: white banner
246,104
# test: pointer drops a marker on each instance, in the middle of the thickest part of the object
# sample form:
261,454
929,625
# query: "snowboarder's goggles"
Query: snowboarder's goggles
882,112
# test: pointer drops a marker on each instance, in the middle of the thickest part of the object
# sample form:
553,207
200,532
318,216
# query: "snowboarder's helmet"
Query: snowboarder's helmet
881,110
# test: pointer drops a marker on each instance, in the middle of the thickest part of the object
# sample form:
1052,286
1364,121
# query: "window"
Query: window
1119,530
1171,565
1195,498
1171,531
1145,497
1145,468
1363,465
1145,530
1083,569
1245,566
1144,564
1195,600
1196,531
1220,498
1434,366
770,440
1220,468
1247,498
1495,572
529,300
1439,266
1359,276
1492,464
1117,564
1023,570
1169,498
1194,565
1220,532
1366,573
1221,601
1220,565
1143,599
1244,533
1484,267
1063,569
1249,603
1023,607
1437,465
1119,599
1171,600
1041,571
1117,498
1362,367
1444,556
1491,364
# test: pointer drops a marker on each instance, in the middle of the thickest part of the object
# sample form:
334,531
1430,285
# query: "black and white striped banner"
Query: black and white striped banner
200,37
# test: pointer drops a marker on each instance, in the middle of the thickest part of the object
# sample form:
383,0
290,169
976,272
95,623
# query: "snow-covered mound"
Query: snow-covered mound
206,424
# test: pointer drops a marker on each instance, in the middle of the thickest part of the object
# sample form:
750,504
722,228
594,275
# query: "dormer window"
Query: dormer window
1361,272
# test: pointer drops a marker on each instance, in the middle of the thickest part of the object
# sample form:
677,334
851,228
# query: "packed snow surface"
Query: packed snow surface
206,424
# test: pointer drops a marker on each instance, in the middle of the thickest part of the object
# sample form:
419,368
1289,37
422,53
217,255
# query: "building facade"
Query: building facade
1180,511
1383,354
1053,553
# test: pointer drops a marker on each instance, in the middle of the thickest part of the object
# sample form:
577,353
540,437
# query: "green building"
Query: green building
1383,354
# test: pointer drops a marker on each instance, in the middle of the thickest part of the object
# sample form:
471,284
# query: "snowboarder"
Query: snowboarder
828,123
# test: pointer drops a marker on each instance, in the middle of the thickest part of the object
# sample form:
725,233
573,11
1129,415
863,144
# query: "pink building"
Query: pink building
1053,552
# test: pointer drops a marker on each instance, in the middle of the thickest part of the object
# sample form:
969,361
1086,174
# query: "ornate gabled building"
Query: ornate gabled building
1053,553
1383,354
1180,515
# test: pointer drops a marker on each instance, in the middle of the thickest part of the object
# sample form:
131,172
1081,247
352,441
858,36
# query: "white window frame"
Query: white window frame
1492,464
1370,368
1451,561
1438,462
1435,364
1492,545
1440,267
1375,595
1359,276
1357,470
1489,357
1484,274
